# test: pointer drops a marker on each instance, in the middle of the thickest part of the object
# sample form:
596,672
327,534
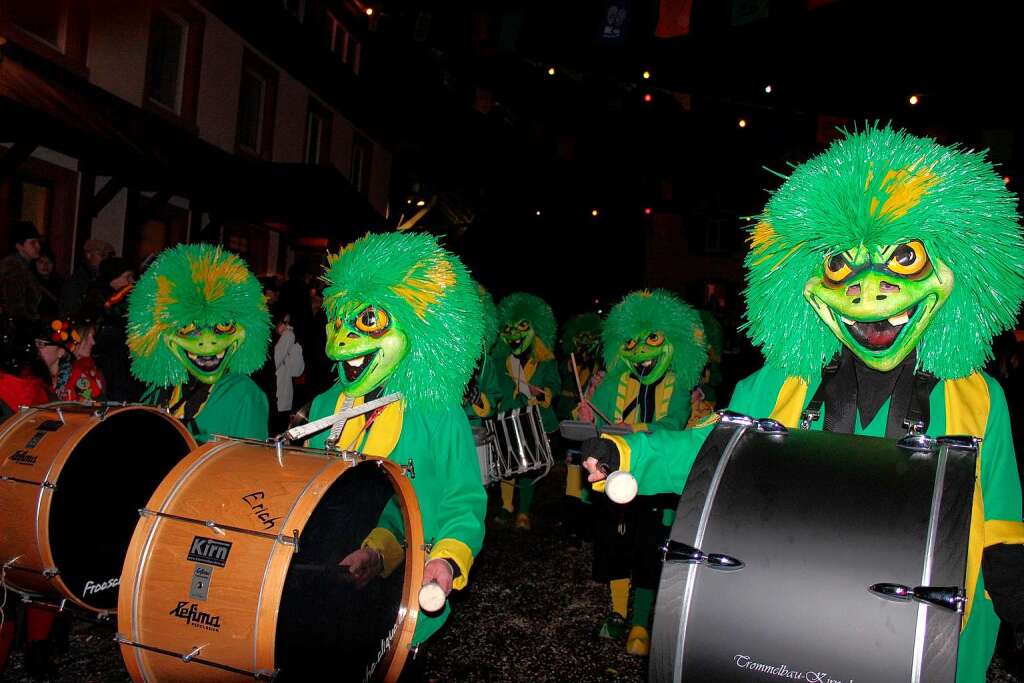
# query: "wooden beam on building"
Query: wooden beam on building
106,194
153,204
15,156
83,227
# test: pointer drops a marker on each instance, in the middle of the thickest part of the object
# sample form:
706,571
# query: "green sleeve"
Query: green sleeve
1000,483
463,502
678,411
661,460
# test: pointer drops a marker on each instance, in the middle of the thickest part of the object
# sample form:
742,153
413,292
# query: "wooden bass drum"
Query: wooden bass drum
72,478
232,573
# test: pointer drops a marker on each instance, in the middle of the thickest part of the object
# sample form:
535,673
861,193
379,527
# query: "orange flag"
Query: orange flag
673,18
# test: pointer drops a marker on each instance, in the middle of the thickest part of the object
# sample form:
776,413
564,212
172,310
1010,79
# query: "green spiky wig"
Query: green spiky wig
713,334
646,311
522,306
879,187
194,283
427,291
576,324
490,317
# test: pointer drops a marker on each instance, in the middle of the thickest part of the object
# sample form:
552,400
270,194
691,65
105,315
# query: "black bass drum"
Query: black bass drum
814,556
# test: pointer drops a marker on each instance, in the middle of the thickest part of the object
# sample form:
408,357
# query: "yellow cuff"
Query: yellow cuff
484,409
390,548
1002,531
624,452
459,553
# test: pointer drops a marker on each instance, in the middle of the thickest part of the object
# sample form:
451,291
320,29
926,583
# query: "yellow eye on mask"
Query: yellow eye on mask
908,259
836,268
373,321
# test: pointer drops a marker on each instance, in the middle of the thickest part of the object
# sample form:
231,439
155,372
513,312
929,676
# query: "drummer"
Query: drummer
405,323
197,328
654,353
528,376
878,275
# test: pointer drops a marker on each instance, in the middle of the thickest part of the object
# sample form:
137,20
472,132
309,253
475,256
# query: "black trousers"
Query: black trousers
628,538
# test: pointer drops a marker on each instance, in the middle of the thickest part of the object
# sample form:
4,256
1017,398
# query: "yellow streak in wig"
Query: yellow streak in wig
904,188
145,344
762,241
215,272
420,291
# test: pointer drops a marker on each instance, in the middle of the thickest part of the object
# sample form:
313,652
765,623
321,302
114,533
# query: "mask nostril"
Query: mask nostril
881,296
857,300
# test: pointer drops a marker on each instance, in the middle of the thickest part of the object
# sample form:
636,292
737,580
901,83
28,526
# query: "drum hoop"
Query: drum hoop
705,515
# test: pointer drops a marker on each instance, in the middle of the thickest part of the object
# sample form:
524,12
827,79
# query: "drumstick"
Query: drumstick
432,597
576,374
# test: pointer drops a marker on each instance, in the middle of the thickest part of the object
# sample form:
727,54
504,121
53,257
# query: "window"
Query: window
173,62
361,161
318,134
40,19
346,46
54,29
256,105
165,72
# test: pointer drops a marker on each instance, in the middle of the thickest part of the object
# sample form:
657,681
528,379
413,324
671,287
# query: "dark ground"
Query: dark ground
529,614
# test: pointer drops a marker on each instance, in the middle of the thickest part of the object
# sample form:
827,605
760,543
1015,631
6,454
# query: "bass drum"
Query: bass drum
232,573
72,479
790,551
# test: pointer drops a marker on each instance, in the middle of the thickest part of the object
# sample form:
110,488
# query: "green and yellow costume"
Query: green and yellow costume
528,375
197,327
404,316
910,258
654,353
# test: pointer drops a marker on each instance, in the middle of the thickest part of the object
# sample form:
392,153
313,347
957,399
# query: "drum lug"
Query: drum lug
266,674
292,540
409,470
809,417
915,441
731,417
190,655
770,426
674,551
952,598
959,441
50,572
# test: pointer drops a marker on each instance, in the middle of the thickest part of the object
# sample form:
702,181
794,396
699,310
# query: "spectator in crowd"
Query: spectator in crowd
50,280
110,302
288,364
72,296
20,381
20,292
271,289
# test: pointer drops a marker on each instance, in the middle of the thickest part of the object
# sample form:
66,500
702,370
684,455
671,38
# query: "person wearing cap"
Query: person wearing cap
73,294
20,291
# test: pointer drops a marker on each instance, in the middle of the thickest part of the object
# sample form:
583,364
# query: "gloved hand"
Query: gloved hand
600,456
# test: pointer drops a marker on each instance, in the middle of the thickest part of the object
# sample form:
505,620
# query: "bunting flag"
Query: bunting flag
673,18
746,11
616,16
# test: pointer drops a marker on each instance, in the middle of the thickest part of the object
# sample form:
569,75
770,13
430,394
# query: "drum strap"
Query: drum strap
913,395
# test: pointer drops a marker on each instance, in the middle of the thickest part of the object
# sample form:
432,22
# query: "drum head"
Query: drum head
111,473
327,628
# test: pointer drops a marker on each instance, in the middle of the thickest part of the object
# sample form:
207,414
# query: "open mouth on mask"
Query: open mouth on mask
207,363
643,367
878,335
355,367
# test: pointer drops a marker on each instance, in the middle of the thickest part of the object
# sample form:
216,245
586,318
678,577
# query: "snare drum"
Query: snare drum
72,478
484,454
233,569
789,545
518,444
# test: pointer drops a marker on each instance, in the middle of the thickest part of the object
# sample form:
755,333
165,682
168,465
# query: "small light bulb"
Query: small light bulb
768,90
647,75
1006,180
647,97
647,211
914,99
369,11
421,203
742,123
551,71
538,212
593,212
